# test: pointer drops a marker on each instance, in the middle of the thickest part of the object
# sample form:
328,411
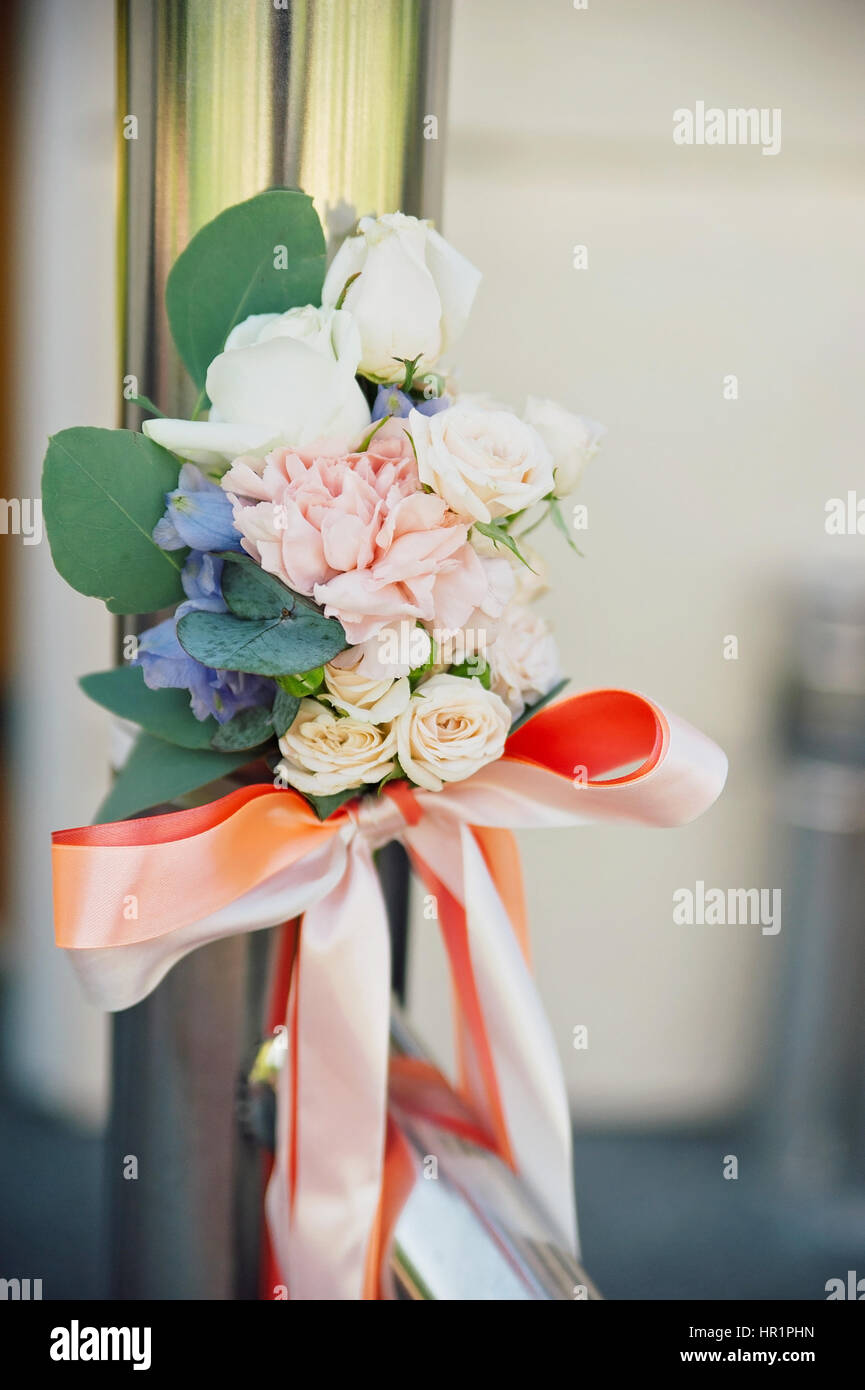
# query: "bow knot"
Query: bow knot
383,816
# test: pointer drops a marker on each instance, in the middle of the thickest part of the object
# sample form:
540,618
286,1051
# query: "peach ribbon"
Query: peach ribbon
134,897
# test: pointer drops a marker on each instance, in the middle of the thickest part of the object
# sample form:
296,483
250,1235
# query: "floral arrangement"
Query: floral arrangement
339,549
344,531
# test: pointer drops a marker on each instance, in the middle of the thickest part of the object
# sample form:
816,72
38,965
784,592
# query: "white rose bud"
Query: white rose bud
571,439
524,659
484,463
323,754
371,699
411,296
451,728
281,379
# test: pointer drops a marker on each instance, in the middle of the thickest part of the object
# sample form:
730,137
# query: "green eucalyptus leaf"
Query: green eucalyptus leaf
284,712
234,267
295,640
165,713
156,773
248,729
250,591
103,492
539,704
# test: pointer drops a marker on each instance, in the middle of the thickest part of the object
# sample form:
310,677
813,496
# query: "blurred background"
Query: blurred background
706,304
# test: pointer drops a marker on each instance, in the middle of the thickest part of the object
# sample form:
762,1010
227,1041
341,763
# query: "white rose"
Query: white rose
483,463
412,294
530,580
281,379
571,439
323,754
452,727
370,699
524,659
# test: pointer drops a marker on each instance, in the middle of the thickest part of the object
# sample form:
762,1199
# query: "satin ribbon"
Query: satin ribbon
132,898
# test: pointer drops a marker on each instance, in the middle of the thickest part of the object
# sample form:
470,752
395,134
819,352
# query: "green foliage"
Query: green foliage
157,773
270,630
234,267
497,531
165,713
103,492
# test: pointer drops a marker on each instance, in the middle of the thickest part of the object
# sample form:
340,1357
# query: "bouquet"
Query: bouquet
335,546
342,536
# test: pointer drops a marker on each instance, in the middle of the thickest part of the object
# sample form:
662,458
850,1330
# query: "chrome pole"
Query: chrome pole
219,99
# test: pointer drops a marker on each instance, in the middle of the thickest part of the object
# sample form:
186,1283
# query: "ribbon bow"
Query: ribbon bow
259,857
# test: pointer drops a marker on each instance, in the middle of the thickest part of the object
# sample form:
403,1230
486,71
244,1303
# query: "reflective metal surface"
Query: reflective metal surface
817,1104
234,96
227,97
469,1231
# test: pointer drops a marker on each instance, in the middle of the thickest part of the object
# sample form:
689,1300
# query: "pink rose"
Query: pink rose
356,533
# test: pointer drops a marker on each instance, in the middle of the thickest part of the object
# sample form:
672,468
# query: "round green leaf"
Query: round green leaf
103,492
295,640
262,256
248,729
165,713
155,773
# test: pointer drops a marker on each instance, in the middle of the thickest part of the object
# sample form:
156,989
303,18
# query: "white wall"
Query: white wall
702,262
66,374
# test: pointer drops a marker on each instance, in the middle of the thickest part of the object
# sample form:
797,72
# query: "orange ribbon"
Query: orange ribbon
134,897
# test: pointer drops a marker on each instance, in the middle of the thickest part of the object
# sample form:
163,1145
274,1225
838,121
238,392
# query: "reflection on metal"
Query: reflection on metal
472,1233
468,1230
230,97
817,1106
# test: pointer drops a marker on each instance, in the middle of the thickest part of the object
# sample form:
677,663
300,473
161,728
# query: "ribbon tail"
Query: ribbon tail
528,1071
324,1196
510,1073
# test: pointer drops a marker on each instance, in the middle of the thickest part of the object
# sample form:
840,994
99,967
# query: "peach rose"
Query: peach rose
356,533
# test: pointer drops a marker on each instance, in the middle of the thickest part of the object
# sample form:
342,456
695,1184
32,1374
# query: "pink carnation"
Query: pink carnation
356,533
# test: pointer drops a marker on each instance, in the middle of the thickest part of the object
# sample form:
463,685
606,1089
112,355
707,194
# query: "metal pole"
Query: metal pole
230,97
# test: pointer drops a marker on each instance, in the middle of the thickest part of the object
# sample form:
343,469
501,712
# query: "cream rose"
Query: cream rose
571,439
410,297
524,659
369,699
484,463
323,754
452,727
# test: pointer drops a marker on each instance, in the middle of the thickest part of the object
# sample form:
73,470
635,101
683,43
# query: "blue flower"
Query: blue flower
199,515
390,401
164,663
